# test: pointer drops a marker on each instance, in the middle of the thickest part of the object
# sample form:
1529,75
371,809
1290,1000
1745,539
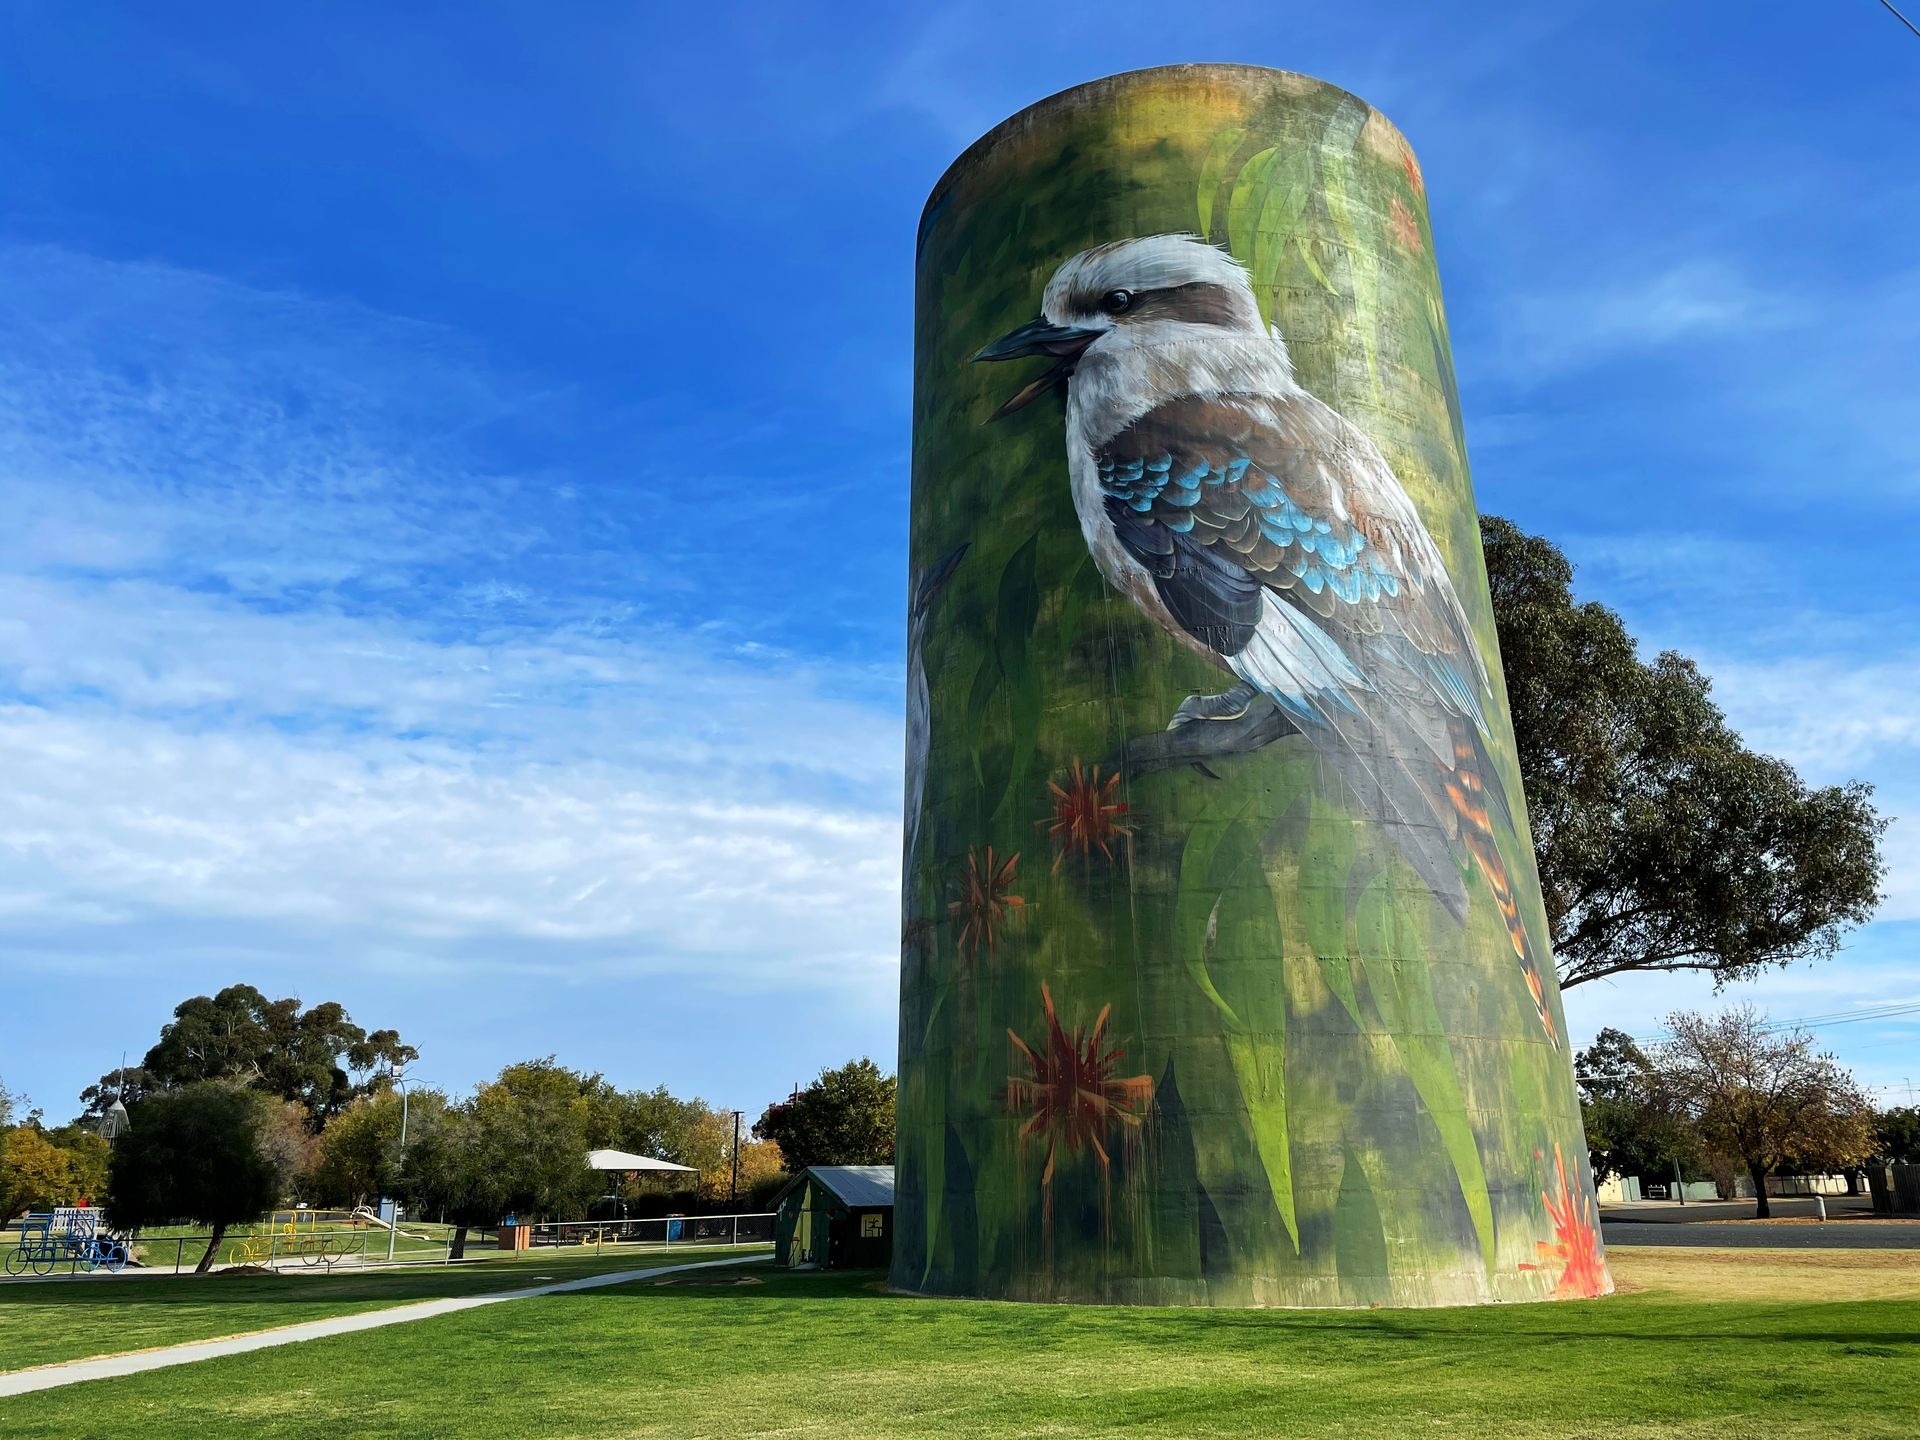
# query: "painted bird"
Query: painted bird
919,699
1269,535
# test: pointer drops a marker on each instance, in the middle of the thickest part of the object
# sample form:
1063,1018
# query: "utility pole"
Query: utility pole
399,1080
733,1190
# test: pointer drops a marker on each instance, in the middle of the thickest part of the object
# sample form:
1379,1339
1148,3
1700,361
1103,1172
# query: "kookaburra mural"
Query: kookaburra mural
1223,969
1268,535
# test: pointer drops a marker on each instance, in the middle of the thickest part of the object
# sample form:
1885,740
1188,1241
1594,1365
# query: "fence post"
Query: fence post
273,1246
736,1229
179,1249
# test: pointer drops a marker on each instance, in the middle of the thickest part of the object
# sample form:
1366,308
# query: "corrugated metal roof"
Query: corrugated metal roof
861,1187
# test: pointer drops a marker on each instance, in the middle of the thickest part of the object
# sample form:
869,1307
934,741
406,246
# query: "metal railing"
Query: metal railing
280,1248
656,1232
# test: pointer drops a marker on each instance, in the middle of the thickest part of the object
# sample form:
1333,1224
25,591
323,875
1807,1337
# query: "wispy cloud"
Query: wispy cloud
1553,332
254,705
424,854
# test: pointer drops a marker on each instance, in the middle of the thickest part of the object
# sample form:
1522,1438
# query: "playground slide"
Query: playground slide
363,1213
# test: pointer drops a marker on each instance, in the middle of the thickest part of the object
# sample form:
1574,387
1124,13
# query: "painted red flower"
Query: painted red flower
1085,816
982,907
1575,1250
1405,228
1069,1092
1412,167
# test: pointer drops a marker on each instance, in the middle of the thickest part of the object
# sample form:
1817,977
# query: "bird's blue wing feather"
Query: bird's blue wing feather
1225,497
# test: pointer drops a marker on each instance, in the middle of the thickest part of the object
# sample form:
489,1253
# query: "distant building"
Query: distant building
835,1217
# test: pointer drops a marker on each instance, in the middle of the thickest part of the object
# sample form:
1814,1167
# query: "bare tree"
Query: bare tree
1763,1097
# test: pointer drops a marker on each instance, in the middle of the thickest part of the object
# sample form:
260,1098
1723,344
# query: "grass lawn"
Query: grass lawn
1718,1344
45,1321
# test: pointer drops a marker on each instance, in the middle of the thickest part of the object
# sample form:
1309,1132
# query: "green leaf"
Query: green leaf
1402,993
1213,172
1260,1064
1362,261
932,1134
1305,247
1223,879
1443,370
1359,1238
986,680
1196,914
1016,609
1242,211
1278,216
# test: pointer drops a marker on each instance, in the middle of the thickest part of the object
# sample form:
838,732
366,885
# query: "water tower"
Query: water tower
1225,976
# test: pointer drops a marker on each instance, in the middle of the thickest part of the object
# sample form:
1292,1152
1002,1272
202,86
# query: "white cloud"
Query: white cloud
267,696
1836,718
1549,333
116,825
1827,715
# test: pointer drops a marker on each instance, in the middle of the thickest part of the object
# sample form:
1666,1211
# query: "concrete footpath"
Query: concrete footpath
108,1367
1833,1235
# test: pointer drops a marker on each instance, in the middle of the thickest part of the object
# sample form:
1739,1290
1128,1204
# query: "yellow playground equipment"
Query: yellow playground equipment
305,1235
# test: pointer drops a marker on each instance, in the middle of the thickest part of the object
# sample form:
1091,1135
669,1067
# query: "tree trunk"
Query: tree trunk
1759,1174
459,1250
213,1248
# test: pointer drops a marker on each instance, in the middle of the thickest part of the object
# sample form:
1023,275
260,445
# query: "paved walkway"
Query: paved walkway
106,1367
1694,1212
1834,1235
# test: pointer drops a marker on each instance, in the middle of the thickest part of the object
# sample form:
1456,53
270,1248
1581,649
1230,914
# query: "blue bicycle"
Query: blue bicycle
41,1248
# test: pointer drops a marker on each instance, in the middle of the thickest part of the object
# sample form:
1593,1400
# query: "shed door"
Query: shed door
802,1253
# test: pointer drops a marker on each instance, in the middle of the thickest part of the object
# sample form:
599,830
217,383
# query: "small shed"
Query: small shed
835,1217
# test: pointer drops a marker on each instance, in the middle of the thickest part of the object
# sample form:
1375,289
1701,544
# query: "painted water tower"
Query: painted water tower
1225,976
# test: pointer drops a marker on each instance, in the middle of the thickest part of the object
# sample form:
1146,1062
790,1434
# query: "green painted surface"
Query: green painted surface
1199,1033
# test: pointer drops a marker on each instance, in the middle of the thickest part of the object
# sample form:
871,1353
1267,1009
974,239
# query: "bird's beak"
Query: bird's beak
1039,337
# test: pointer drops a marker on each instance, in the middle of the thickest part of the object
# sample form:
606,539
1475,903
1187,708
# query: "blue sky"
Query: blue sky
368,630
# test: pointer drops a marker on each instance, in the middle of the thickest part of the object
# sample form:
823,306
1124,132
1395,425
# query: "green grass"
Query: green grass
832,1355
67,1320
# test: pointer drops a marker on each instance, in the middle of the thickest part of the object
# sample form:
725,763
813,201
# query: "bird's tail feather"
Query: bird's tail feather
1290,661
1474,792
1378,756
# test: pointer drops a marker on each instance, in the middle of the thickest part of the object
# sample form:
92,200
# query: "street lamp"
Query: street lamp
733,1190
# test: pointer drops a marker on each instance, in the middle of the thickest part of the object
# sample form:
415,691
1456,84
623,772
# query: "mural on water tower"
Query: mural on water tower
1224,976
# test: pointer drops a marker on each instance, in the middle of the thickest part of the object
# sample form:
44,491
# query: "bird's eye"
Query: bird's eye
1116,302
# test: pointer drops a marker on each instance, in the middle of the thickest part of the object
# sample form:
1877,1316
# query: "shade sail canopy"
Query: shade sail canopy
627,1160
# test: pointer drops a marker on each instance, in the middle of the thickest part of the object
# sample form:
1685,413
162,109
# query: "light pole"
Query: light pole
399,1079
733,1189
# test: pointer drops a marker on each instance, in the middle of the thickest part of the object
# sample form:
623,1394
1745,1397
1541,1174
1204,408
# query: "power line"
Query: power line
1888,1010
1901,18
1848,1017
